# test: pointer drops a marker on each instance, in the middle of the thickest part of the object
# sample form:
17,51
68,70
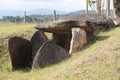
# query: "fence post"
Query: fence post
108,8
87,6
54,15
24,18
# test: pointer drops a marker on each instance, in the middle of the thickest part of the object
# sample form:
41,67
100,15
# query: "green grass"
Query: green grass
9,30
100,60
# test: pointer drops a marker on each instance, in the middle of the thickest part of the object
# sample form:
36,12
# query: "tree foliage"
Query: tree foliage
91,2
29,19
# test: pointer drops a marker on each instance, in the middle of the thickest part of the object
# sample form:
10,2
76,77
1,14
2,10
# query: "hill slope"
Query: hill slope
84,11
100,60
29,12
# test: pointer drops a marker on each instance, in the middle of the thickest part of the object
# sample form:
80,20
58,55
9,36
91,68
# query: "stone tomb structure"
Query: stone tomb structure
72,32
69,34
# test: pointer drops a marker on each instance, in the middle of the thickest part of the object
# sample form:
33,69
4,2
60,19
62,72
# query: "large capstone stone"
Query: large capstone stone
20,52
49,53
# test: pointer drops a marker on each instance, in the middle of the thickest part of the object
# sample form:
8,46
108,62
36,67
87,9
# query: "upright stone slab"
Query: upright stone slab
37,40
49,53
62,40
78,39
20,52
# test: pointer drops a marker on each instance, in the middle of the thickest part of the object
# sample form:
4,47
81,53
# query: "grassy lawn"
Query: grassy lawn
100,60
15,29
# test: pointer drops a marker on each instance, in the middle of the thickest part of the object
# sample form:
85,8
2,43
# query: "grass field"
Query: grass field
100,60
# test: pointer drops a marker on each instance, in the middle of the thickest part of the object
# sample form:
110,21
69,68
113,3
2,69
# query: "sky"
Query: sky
63,5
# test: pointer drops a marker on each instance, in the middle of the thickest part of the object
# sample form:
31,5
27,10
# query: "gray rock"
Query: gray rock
49,53
37,40
116,21
78,40
20,52
63,40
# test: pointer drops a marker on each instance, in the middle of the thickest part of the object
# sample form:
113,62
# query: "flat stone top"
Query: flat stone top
60,26
86,17
64,24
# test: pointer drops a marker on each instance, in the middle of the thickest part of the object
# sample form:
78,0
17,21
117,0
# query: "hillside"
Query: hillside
100,59
37,15
84,11
44,12
29,12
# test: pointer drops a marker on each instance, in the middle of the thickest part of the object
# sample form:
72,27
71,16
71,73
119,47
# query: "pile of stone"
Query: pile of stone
69,35
38,52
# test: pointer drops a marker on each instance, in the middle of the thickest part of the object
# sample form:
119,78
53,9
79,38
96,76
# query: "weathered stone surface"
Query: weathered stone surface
57,27
88,25
82,18
78,40
100,26
116,21
20,52
62,40
88,22
37,40
94,22
49,53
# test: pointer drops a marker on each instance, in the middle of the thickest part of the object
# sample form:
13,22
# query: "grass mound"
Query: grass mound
100,60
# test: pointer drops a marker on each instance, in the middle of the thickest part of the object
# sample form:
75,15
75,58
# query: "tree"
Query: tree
87,6
116,4
98,6
108,7
91,4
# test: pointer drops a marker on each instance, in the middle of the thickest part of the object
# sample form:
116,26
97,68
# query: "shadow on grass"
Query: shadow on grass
100,38
94,40
22,70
